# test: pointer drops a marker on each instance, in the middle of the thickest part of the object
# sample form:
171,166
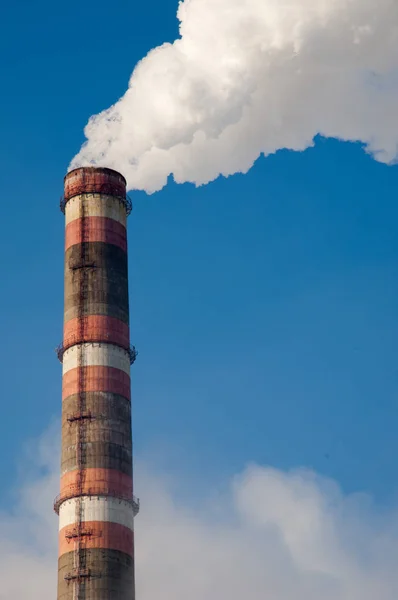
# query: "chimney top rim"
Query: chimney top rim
105,170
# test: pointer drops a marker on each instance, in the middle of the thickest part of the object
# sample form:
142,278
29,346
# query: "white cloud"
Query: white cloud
249,77
28,530
285,536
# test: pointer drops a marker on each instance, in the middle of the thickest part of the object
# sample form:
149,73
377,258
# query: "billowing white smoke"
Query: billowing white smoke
250,77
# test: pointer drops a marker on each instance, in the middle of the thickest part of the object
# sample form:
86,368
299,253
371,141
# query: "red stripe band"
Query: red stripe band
96,229
96,534
96,328
95,379
97,482
88,180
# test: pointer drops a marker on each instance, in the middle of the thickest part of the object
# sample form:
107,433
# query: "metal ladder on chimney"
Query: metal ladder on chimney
79,534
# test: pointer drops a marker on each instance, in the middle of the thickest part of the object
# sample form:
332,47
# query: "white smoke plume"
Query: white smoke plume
249,77
269,534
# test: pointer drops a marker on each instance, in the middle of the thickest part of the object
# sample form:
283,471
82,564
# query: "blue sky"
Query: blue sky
264,306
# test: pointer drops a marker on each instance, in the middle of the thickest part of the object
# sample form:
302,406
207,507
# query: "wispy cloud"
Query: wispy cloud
286,536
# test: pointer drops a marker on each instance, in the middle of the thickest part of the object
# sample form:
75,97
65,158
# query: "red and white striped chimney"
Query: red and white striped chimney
96,505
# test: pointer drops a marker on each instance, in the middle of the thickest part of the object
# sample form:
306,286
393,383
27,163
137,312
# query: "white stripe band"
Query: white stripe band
95,205
110,510
96,355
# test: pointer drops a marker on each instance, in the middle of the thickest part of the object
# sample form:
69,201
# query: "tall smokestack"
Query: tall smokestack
96,505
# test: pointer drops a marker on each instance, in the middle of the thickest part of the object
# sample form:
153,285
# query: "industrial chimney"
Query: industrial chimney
96,505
